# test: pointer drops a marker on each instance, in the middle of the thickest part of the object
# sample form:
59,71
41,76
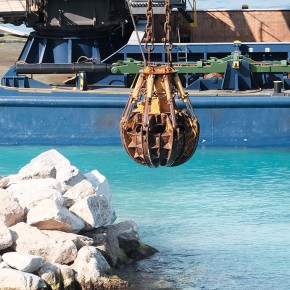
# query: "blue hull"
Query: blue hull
75,118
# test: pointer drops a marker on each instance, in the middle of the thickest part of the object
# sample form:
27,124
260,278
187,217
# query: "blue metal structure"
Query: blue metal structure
236,106
93,119
242,118
72,50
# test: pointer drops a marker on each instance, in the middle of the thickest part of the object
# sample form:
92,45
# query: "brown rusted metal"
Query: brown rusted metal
167,44
149,38
154,130
213,75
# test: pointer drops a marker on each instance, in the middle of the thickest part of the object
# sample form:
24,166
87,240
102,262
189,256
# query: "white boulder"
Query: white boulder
79,240
11,279
67,277
107,243
50,273
89,265
94,210
33,173
57,276
77,192
4,265
67,174
8,180
5,238
40,170
30,192
100,183
11,212
126,233
22,262
50,215
30,240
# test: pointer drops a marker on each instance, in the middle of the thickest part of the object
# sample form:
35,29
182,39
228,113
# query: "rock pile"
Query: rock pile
57,231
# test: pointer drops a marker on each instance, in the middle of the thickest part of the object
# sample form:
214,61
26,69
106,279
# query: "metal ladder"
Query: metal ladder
182,53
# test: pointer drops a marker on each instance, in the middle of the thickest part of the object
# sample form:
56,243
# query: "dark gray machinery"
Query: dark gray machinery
70,32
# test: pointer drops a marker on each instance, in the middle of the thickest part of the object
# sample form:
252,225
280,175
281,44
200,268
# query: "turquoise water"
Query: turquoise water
221,221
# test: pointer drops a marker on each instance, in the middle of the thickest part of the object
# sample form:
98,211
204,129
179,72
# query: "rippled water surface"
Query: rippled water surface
221,221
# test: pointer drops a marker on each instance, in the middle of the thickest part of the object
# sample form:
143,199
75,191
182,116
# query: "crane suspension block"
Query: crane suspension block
154,130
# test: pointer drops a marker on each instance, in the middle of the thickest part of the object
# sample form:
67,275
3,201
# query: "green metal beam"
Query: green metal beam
214,65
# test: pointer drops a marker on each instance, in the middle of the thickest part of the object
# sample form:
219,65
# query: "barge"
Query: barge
67,87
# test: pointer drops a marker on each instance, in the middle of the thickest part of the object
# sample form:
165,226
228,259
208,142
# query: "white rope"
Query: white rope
138,38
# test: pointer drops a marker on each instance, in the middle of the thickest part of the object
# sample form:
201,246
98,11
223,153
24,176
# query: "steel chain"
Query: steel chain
167,44
149,39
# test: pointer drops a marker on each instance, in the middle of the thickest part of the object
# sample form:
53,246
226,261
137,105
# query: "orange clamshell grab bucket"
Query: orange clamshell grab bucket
154,130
